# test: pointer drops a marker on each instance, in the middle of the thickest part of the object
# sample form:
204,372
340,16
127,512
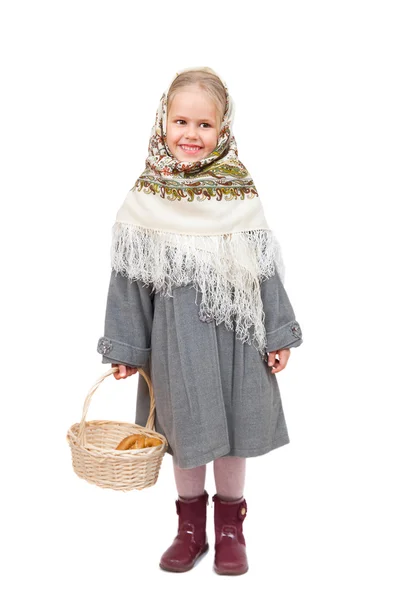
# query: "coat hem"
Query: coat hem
228,451
281,441
205,458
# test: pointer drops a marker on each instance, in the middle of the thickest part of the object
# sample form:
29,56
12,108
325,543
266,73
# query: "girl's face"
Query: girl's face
192,125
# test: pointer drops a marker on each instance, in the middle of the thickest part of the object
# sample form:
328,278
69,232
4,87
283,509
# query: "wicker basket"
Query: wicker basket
93,444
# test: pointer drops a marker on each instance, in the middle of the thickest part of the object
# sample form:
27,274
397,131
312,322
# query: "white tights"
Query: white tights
229,475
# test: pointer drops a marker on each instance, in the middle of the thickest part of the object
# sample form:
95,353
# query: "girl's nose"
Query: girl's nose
191,133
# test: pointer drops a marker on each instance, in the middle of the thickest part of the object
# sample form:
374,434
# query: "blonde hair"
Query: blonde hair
207,81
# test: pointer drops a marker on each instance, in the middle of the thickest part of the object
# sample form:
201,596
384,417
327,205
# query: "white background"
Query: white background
316,89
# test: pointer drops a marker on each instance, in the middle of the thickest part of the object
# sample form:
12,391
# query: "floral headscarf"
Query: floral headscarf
220,174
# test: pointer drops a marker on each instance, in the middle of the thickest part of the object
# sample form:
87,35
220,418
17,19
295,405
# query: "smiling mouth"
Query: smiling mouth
190,149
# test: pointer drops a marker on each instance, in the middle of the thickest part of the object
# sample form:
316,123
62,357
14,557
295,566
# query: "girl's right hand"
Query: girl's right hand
124,371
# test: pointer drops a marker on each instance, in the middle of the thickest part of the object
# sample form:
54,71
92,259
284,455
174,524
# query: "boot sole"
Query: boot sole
187,568
222,572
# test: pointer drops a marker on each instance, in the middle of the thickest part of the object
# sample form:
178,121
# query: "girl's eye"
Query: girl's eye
182,121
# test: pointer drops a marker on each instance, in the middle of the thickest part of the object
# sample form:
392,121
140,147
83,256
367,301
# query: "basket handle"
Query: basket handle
151,417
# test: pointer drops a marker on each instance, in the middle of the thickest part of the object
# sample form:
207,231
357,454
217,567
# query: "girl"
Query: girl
196,299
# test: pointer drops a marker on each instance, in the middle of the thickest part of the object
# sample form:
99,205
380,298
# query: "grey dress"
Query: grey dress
215,396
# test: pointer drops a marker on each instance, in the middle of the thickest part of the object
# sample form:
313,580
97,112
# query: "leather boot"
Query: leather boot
230,545
191,541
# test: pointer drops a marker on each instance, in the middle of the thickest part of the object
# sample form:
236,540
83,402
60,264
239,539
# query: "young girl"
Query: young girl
196,299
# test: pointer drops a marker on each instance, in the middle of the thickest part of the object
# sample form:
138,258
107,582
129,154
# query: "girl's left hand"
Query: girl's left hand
280,363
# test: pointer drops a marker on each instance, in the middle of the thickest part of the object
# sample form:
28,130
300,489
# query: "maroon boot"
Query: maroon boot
191,540
230,545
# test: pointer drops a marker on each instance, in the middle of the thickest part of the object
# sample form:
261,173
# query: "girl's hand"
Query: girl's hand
124,371
280,363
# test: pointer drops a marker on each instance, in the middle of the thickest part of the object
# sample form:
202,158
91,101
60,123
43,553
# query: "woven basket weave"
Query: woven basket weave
93,444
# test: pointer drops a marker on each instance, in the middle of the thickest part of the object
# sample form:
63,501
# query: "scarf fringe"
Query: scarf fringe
227,269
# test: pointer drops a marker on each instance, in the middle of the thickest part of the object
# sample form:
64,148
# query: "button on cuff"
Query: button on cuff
296,330
104,346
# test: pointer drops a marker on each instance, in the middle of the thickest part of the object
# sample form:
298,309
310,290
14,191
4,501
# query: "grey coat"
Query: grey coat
215,396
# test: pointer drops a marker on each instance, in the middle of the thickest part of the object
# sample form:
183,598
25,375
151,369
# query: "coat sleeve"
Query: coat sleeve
128,322
282,328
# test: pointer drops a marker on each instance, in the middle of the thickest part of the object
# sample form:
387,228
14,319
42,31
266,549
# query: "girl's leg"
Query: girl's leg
191,540
190,482
229,475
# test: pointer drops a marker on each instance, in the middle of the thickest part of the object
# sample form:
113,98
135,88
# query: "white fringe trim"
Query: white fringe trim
226,269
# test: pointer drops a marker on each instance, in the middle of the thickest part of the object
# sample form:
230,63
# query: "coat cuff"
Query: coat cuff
287,336
119,353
